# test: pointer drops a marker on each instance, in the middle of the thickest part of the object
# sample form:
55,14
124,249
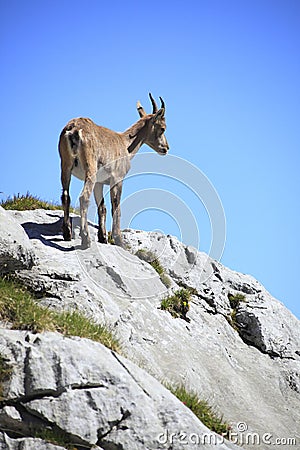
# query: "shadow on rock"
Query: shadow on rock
49,233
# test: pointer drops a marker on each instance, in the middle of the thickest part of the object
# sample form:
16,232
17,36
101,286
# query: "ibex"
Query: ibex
101,156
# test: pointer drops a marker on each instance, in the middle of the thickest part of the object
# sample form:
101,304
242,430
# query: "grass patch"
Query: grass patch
73,323
157,266
110,239
5,372
191,289
165,280
56,437
234,301
177,304
232,320
202,410
151,258
30,202
27,202
19,308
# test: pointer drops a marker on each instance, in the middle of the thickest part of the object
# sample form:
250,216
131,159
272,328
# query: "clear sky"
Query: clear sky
229,72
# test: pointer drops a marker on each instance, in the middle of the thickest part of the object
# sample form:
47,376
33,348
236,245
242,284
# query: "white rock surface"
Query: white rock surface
6,443
251,373
96,397
16,251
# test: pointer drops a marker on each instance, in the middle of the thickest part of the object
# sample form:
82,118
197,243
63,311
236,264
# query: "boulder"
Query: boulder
16,251
91,395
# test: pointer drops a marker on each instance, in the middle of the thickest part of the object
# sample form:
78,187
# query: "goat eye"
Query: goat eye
162,130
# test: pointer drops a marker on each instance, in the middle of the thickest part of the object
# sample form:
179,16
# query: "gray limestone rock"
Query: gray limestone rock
7,443
242,357
92,395
16,251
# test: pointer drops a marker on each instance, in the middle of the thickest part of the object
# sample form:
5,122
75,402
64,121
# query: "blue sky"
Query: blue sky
229,73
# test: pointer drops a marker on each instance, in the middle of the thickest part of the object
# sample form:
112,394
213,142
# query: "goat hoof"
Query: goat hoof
118,241
67,233
85,243
102,239
85,240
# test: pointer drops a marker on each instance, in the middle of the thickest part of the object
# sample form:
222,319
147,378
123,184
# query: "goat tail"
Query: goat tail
74,139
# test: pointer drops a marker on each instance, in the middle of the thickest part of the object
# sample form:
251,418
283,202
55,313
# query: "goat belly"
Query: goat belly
103,175
78,172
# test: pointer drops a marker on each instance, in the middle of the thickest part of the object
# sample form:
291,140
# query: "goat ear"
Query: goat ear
159,115
140,109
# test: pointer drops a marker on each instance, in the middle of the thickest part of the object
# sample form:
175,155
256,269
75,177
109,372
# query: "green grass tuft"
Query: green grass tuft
73,323
202,410
165,280
151,258
177,304
157,266
56,437
27,202
235,301
191,289
110,239
19,308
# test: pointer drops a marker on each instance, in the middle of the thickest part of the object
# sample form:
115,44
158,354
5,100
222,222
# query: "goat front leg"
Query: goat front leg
98,194
89,183
115,195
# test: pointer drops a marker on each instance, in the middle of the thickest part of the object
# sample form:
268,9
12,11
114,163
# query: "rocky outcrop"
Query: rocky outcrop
240,349
16,251
259,319
94,397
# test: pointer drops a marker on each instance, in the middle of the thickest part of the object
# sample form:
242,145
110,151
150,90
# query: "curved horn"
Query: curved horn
162,103
154,105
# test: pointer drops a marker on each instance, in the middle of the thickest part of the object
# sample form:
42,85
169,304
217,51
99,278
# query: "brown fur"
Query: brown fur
101,156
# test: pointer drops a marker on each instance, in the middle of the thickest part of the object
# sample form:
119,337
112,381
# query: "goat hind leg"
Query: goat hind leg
84,204
66,200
